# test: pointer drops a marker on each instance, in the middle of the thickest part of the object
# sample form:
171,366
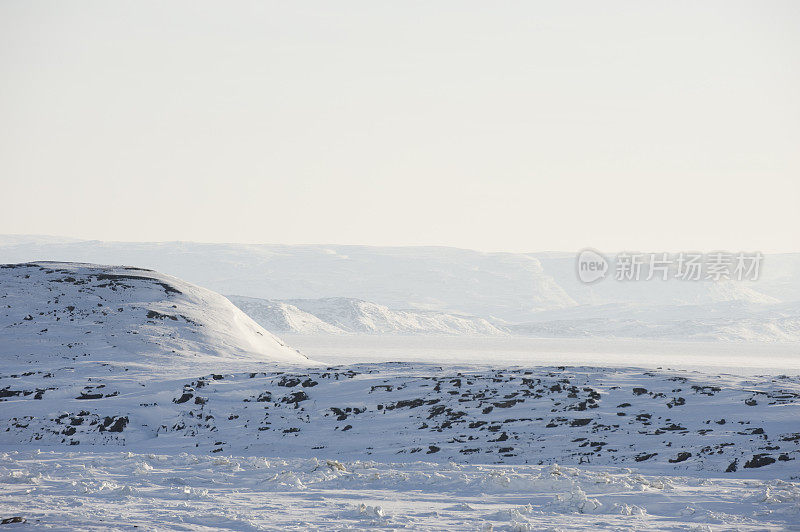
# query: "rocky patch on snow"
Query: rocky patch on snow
653,420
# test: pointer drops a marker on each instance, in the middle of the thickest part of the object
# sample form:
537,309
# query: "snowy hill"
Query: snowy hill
341,315
277,316
344,315
354,315
55,314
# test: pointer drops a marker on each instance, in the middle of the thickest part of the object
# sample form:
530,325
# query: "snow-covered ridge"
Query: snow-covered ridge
341,315
57,313
278,316
354,315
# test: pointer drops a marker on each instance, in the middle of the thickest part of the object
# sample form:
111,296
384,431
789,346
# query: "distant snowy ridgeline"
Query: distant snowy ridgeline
438,290
729,321
339,315
653,420
723,311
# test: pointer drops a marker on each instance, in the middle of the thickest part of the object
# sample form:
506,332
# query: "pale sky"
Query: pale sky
515,126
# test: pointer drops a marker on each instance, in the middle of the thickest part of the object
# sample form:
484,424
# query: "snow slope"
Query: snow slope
278,316
344,315
53,314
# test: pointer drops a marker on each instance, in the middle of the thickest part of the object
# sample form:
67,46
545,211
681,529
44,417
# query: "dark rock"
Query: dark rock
183,398
681,457
759,460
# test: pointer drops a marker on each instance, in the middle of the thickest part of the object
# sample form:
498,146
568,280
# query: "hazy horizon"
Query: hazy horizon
527,126
568,252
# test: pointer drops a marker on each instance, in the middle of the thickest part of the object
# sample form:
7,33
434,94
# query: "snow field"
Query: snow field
99,489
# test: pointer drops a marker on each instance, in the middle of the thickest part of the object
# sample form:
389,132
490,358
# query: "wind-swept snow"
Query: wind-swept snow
101,489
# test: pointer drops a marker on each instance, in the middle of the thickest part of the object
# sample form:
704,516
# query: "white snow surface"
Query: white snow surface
104,489
401,446
706,357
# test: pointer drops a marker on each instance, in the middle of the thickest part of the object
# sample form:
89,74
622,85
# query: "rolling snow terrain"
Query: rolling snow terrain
129,397
398,446
664,422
